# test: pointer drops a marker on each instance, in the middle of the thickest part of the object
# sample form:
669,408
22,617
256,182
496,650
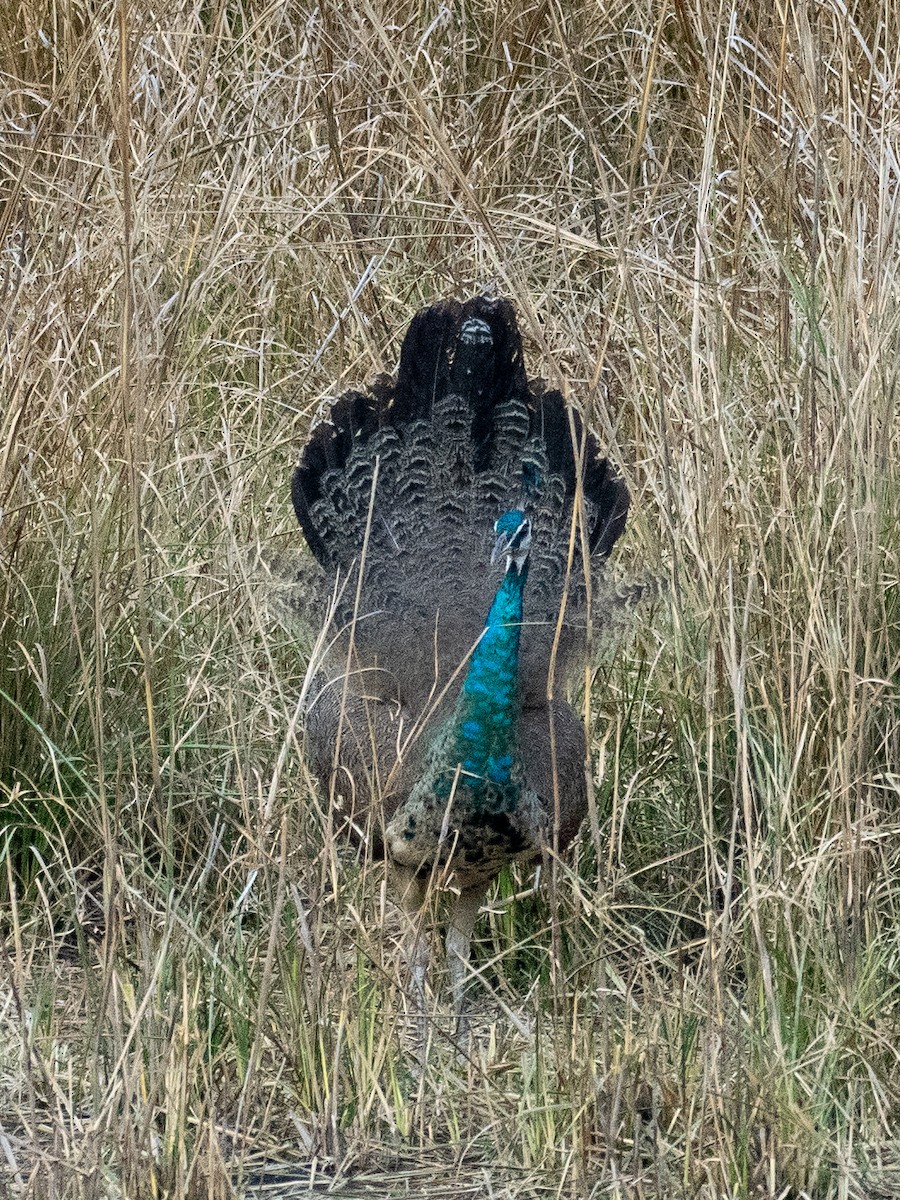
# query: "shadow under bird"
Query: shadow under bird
457,510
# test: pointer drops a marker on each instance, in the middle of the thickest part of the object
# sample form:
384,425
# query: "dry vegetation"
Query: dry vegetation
215,215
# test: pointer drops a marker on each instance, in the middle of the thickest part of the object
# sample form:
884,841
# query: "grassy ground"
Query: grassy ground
216,215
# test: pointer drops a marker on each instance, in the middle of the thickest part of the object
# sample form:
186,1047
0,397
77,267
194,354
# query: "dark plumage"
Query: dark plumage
430,724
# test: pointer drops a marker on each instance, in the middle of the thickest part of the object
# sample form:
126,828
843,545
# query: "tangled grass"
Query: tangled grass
217,215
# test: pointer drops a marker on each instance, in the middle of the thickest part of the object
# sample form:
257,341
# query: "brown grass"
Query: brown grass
216,216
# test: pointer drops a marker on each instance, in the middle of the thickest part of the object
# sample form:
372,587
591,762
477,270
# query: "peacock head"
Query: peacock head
513,532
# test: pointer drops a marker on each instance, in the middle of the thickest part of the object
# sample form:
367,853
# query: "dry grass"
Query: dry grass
215,216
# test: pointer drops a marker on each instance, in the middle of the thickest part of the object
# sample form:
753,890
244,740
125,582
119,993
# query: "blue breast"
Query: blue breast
483,737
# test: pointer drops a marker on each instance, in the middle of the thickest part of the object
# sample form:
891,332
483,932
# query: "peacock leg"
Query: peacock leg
410,892
463,913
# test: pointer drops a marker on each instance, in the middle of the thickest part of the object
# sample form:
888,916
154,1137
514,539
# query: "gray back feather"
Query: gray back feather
406,480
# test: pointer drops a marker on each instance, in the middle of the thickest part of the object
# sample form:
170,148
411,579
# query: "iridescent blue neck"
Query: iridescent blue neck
485,723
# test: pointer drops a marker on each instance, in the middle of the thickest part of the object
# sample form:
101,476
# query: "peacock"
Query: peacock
454,509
